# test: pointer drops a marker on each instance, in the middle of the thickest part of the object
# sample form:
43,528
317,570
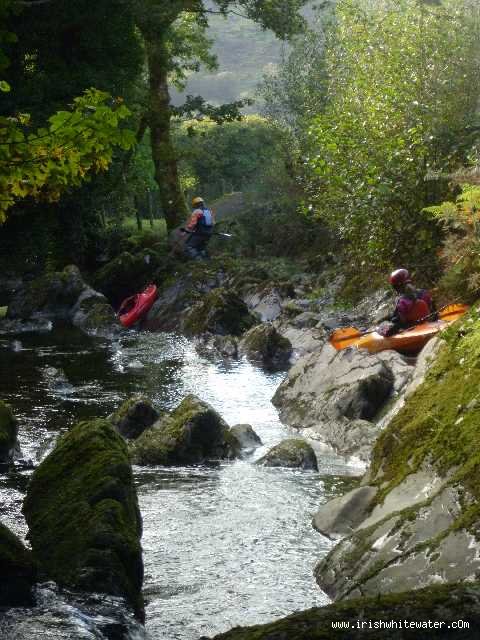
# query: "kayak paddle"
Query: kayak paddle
214,233
343,338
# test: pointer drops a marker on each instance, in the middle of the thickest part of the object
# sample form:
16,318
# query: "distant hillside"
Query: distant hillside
245,52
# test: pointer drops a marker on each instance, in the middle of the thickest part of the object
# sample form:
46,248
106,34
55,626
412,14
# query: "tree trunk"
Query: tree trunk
163,152
138,215
150,207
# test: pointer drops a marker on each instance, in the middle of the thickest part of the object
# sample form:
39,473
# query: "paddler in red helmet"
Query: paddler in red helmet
411,304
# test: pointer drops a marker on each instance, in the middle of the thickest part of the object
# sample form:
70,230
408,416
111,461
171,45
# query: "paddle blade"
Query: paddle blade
343,338
453,311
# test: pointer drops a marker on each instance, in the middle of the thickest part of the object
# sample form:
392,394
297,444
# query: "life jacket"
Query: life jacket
417,311
413,306
201,222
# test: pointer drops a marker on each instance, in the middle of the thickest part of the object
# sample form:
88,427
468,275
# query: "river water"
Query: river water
224,545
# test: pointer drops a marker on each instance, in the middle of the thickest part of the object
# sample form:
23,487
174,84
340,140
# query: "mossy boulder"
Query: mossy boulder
127,274
134,416
220,312
17,571
93,313
82,511
8,433
52,294
64,296
293,453
433,609
192,434
423,520
265,345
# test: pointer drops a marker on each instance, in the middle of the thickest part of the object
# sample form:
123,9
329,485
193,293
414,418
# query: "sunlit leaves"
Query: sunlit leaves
403,89
44,163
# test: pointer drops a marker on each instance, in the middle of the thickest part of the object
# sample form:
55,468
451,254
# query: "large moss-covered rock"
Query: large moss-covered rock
64,296
53,294
193,433
220,312
93,313
294,453
17,571
433,610
422,522
83,517
134,416
265,345
8,433
127,274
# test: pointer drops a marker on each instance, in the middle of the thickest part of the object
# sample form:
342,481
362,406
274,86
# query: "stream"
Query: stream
224,545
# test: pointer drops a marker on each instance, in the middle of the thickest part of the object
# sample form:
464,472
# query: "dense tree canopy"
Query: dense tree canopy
403,91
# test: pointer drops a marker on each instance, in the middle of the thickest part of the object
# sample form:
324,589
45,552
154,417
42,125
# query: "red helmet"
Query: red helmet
399,277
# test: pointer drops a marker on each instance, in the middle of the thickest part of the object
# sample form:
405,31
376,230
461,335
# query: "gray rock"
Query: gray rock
52,295
338,395
421,528
412,382
246,436
293,453
193,433
409,549
306,320
93,313
220,312
303,341
64,296
171,303
223,346
266,303
340,516
134,416
264,344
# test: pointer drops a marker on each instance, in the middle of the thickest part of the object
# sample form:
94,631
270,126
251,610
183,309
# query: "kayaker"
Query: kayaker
199,229
411,305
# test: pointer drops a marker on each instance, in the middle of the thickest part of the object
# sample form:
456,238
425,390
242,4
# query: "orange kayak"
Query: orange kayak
410,341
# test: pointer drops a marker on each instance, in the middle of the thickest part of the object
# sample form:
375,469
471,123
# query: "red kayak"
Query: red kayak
134,307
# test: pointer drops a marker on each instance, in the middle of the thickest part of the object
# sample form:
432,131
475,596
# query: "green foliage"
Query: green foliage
295,91
403,87
229,157
63,48
461,248
43,164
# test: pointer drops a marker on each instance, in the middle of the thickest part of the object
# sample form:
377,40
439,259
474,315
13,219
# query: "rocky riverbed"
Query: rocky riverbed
410,424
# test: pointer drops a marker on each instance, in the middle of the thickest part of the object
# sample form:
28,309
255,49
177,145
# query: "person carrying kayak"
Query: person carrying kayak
199,229
411,305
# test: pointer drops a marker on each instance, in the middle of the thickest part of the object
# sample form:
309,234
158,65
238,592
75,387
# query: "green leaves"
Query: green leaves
45,163
402,89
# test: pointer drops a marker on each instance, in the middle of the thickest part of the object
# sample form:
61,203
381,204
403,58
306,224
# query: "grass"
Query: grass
159,226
